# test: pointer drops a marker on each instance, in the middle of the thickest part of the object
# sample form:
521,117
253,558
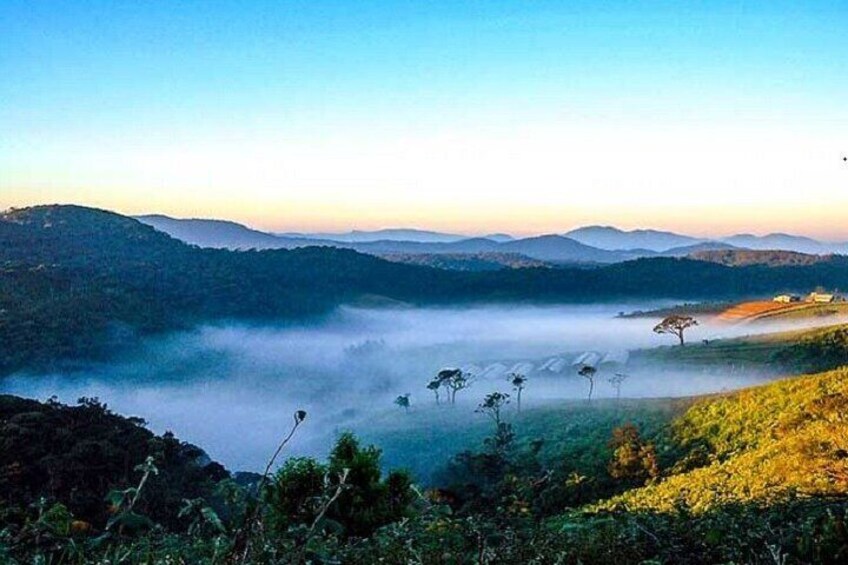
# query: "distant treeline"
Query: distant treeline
77,282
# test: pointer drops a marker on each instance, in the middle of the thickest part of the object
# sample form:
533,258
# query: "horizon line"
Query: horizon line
283,232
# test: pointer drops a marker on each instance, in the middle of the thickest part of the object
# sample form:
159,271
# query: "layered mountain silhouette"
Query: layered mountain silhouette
608,237
590,245
391,234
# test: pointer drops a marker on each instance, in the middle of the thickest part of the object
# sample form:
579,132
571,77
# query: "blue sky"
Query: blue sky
471,116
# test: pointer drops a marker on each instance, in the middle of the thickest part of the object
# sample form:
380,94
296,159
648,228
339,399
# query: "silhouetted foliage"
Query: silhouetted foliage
588,372
518,382
75,455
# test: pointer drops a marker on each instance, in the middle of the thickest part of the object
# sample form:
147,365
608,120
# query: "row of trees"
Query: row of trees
616,380
453,380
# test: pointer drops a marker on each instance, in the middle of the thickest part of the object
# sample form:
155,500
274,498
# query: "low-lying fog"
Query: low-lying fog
232,389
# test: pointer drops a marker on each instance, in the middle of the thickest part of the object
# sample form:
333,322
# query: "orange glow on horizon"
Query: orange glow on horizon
818,220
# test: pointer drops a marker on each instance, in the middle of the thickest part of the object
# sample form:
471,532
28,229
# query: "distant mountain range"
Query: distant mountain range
588,245
607,237
785,242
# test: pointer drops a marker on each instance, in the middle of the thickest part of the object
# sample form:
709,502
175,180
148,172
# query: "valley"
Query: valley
221,347
423,283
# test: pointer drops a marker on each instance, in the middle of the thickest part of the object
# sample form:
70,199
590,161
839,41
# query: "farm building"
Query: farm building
787,298
821,297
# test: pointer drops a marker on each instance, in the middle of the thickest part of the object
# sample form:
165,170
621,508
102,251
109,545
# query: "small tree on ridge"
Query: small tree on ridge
676,325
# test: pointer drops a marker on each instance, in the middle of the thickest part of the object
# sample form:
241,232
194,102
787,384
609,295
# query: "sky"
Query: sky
483,116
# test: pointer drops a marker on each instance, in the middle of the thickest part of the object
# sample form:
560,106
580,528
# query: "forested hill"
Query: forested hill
76,281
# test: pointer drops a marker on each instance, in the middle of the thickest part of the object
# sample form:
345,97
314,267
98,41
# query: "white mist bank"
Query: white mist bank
232,389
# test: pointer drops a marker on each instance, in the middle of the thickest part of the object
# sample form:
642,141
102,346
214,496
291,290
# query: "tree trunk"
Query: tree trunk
680,335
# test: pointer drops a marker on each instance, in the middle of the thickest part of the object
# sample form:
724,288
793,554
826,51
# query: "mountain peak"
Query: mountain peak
613,238
80,221
86,234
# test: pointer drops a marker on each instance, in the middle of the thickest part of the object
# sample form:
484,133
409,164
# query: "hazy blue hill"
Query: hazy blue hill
562,249
499,237
552,248
781,241
612,238
705,246
219,234
390,234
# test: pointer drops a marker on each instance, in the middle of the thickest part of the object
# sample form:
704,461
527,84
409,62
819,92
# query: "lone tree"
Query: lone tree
403,401
492,404
454,380
518,381
676,325
435,385
616,381
588,372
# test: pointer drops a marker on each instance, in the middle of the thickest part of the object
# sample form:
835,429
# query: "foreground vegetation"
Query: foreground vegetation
756,476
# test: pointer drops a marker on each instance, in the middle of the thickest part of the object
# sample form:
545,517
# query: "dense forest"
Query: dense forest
79,282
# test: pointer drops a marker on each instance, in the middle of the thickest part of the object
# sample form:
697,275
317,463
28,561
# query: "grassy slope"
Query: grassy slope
766,444
750,352
806,311
427,437
573,431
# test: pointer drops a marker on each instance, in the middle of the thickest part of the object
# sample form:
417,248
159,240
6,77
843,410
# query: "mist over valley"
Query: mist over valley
232,388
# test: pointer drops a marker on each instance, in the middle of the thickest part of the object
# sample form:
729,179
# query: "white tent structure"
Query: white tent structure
553,365
591,358
494,371
523,367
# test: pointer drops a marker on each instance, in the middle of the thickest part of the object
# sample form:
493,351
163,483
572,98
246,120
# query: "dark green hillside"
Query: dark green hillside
468,261
743,257
75,455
